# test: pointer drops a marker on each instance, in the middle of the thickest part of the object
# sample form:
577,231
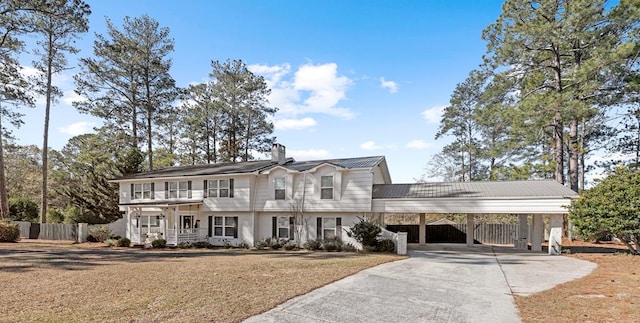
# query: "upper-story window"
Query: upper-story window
178,190
218,188
279,186
142,191
326,187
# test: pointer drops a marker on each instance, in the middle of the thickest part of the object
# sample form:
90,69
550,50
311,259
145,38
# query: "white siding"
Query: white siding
352,191
265,222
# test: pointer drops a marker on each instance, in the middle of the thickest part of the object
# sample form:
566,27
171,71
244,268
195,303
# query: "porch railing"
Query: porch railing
186,235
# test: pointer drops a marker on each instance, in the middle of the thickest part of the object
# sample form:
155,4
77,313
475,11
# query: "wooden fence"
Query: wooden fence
48,231
492,233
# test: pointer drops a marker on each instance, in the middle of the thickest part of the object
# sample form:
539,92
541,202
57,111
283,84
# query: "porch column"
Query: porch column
422,231
127,218
470,229
537,234
523,229
139,223
175,223
555,234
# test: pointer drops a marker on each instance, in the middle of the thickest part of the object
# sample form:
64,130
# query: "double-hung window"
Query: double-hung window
279,186
283,227
326,187
329,228
225,226
219,188
142,191
179,190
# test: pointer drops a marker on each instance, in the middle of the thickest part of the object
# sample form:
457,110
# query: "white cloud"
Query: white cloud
433,115
71,96
370,145
418,144
296,124
311,89
309,154
78,128
390,85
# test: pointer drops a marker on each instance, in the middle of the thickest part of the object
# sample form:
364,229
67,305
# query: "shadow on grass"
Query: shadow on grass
20,260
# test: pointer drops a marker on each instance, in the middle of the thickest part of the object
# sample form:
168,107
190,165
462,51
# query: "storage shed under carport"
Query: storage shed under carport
521,198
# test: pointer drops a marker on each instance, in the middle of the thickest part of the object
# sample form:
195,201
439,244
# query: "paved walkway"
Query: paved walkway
438,283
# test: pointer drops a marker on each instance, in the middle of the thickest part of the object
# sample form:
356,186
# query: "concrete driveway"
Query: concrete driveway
438,283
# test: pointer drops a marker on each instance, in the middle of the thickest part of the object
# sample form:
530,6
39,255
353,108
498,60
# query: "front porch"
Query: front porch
175,222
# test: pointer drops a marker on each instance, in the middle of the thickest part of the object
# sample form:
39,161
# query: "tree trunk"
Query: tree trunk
4,203
574,151
582,153
558,147
149,137
45,141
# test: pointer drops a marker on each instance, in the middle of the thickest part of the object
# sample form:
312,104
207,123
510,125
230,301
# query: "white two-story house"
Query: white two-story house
248,201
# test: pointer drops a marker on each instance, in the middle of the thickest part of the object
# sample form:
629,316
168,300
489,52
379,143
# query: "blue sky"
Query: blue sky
351,78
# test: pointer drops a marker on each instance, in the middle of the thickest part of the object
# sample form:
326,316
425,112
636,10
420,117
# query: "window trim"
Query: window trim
323,187
282,190
217,188
177,190
142,188
320,227
224,226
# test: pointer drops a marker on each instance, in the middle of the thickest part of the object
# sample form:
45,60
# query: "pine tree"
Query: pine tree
58,27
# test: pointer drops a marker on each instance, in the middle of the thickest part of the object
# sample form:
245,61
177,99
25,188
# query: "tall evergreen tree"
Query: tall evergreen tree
242,96
128,82
58,27
553,51
14,88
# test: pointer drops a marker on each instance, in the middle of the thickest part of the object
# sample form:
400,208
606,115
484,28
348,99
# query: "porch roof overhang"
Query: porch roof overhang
163,204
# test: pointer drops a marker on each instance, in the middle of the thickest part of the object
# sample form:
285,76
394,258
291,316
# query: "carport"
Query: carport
519,198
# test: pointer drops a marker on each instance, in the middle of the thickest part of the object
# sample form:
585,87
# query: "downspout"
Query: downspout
253,209
304,190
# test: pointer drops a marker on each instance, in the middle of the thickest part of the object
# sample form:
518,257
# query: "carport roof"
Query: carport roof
503,189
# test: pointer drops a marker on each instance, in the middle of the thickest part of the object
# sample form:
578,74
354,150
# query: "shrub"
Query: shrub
183,245
201,245
312,245
55,215
100,233
159,243
110,242
243,244
347,247
91,238
386,245
333,244
9,232
261,244
290,245
23,209
365,232
227,244
123,242
275,244
115,237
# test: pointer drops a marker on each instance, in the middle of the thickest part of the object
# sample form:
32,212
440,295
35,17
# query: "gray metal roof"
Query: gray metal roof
505,189
349,163
253,166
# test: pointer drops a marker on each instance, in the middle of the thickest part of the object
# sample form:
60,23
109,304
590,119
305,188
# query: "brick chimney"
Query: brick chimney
278,154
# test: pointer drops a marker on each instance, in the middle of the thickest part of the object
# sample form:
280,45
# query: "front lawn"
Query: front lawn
66,283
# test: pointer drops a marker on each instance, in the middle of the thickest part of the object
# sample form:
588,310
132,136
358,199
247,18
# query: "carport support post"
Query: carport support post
422,231
523,229
537,234
555,234
470,229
